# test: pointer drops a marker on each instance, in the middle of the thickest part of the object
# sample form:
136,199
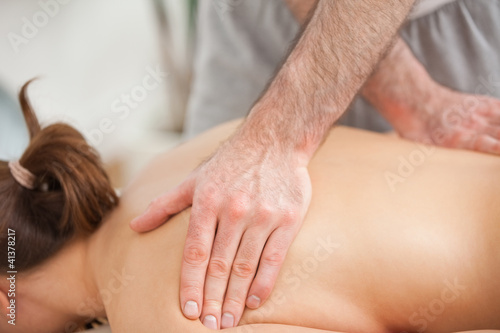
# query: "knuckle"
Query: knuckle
243,269
266,212
290,217
235,301
218,268
237,210
212,304
274,259
263,289
195,254
192,289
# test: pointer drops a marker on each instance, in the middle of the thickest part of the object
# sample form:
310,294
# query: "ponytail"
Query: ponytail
70,192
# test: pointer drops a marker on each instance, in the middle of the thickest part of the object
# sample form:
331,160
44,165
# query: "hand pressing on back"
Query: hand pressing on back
455,120
249,199
248,205
423,110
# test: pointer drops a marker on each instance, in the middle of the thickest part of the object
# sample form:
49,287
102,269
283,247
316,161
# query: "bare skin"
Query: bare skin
340,47
255,190
420,108
423,110
368,259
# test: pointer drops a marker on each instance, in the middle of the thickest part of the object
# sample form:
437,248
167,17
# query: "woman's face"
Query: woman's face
22,311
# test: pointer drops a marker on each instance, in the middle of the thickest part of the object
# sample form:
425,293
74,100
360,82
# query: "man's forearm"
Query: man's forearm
400,86
336,53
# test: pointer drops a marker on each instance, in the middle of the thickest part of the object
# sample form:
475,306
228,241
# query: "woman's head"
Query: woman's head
70,192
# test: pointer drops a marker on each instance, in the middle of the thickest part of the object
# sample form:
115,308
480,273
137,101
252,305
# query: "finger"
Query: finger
225,246
491,110
161,208
486,144
242,273
481,143
197,250
492,131
269,267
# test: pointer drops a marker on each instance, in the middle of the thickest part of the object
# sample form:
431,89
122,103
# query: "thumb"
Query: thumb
164,206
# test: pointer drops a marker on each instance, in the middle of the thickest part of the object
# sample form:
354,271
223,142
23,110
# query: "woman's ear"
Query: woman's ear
5,304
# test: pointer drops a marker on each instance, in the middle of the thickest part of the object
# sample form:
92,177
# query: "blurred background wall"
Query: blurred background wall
117,70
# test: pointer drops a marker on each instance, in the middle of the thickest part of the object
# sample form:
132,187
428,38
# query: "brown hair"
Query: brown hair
72,192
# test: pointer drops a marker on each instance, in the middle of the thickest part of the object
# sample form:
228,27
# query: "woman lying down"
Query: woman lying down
374,255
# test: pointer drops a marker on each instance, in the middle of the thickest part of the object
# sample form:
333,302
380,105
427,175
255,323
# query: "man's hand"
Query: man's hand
421,109
248,204
455,120
254,192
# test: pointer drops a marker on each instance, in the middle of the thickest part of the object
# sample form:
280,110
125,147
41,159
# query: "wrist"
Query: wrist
268,131
407,103
278,120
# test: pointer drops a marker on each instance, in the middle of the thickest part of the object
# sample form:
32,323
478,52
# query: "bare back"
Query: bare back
398,237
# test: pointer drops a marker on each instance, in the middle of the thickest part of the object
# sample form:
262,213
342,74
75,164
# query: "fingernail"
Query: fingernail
253,302
210,322
191,309
227,320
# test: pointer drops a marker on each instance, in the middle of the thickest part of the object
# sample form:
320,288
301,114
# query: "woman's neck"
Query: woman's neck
66,283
